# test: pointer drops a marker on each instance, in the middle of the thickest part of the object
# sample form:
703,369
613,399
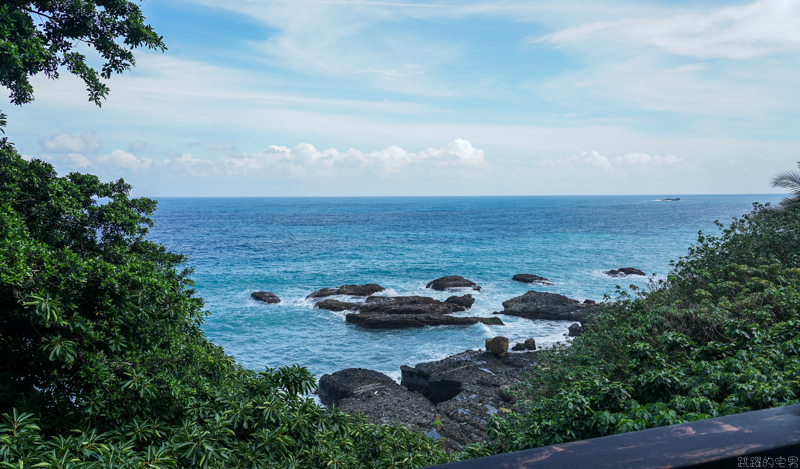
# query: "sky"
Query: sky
414,98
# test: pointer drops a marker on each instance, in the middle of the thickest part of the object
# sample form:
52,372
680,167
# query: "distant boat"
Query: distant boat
671,200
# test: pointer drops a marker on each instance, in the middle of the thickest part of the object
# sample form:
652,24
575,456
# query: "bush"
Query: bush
720,336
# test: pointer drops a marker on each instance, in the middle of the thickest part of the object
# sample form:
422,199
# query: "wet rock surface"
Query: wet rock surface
466,301
451,281
542,305
402,321
624,272
266,297
400,312
350,290
530,278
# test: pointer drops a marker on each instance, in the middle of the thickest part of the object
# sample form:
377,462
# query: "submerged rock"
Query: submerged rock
350,290
542,305
451,281
530,278
624,272
266,297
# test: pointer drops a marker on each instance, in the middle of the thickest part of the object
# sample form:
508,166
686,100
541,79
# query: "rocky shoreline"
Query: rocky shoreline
451,398
454,397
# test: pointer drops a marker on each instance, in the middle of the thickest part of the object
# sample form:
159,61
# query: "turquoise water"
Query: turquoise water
294,246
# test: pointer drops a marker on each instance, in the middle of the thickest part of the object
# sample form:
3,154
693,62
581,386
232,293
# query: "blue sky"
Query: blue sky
285,98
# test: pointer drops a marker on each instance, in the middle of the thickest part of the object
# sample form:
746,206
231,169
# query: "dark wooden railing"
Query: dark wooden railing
764,438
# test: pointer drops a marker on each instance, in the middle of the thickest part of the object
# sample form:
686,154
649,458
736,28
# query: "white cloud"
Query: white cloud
741,32
122,159
588,160
64,142
304,160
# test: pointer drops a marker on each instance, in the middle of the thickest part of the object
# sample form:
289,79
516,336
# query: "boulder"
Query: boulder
350,290
575,330
624,272
497,345
467,389
403,321
542,305
466,300
394,305
350,382
379,398
530,344
266,297
590,302
519,346
530,278
451,281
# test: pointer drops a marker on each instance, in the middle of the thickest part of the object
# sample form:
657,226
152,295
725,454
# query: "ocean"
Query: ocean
295,246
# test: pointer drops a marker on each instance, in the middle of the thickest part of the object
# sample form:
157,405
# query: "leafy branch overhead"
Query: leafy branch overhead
42,35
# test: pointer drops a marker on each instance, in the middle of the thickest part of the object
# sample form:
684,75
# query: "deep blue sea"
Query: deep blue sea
294,246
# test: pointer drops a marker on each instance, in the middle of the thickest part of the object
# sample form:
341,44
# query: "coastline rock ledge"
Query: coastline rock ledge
542,305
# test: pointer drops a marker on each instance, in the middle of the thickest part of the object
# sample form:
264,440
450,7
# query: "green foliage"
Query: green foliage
720,336
104,362
39,36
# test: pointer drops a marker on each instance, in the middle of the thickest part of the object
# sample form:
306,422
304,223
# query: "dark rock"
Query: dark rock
497,345
676,199
590,302
408,305
451,281
541,305
350,290
336,305
575,330
466,301
624,272
518,346
350,382
467,389
530,278
379,398
403,321
266,297
530,344
494,321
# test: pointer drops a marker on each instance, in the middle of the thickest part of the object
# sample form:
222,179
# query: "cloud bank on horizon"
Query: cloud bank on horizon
439,98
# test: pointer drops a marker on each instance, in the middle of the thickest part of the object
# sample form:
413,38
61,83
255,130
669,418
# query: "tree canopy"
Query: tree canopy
40,36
